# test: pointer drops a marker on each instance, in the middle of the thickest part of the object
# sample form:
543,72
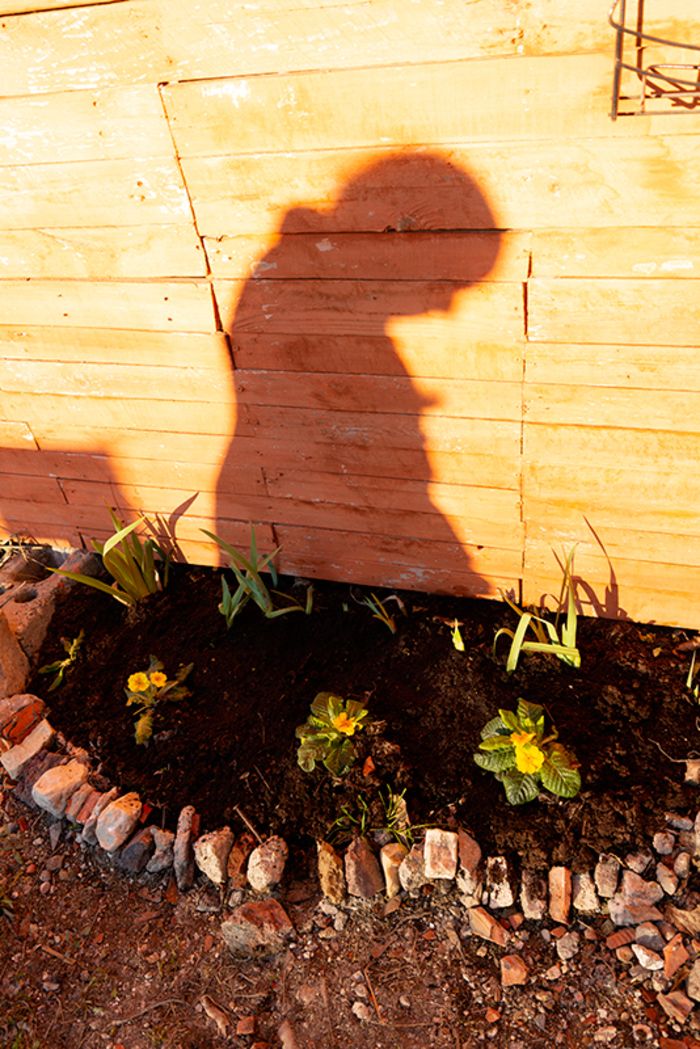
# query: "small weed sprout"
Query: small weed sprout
515,748
546,633
61,666
356,819
379,610
325,736
147,689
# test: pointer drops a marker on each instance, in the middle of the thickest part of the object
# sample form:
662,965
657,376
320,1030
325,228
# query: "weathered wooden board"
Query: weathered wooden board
115,124
367,308
552,184
160,41
130,192
104,346
160,305
637,450
612,407
102,252
624,366
435,355
638,311
469,256
394,104
617,252
442,567
16,435
23,7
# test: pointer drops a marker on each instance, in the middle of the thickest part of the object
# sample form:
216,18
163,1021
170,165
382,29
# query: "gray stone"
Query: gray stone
363,874
135,854
412,870
440,854
584,896
634,903
211,853
31,772
392,856
533,895
649,936
331,875
681,865
667,879
162,858
469,876
664,843
14,665
693,986
183,849
568,946
116,822
88,834
266,864
607,875
639,861
647,958
259,928
498,883
14,759
54,788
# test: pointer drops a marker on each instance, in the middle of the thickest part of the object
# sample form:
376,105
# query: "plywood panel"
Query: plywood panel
629,311
627,367
618,252
95,253
160,41
130,192
163,305
115,124
467,256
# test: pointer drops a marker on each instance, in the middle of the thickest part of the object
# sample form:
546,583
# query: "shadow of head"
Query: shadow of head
436,223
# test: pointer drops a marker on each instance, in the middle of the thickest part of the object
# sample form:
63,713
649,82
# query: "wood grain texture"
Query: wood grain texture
163,41
635,252
628,311
160,306
102,252
623,366
551,184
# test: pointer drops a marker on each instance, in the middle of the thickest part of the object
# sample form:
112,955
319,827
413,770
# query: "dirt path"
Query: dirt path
89,959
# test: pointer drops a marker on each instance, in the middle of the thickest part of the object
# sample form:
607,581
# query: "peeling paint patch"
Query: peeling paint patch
324,245
236,90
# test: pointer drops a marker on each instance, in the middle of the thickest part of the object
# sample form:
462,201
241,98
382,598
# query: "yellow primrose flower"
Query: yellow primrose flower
342,723
158,679
519,739
528,758
138,682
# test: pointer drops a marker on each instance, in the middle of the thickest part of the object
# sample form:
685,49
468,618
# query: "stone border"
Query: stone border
50,774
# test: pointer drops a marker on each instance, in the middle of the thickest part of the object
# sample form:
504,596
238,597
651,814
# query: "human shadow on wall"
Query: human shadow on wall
328,448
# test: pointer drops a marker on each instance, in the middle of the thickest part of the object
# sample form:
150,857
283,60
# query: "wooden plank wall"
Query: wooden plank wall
382,277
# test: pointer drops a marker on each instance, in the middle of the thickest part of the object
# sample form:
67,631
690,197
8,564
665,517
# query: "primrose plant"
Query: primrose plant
147,689
516,749
325,736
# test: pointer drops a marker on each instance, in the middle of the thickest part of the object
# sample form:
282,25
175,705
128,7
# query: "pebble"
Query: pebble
560,894
498,883
362,871
53,790
331,875
533,895
645,956
568,946
607,875
211,853
664,843
116,822
183,851
440,853
361,1011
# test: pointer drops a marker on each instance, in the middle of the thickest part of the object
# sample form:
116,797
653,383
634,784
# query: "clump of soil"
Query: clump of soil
230,747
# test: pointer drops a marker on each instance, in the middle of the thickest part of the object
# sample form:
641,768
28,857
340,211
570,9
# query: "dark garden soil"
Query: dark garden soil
230,748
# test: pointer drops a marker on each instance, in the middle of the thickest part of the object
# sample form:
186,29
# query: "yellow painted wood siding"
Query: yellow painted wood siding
382,277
